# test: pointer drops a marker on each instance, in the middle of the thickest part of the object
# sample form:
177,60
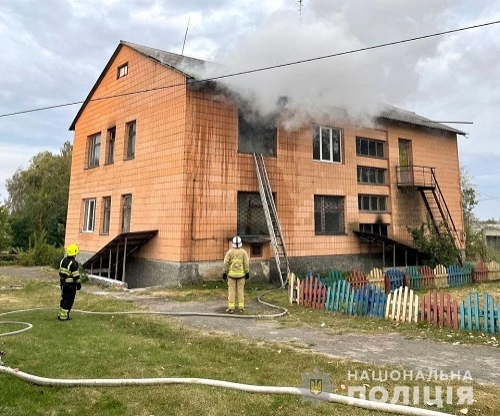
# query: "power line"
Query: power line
251,71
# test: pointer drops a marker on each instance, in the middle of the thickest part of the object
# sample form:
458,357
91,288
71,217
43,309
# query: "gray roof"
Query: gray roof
397,114
179,63
190,66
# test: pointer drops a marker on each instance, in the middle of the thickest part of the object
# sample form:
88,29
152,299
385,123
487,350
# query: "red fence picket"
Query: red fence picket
437,309
312,293
357,279
480,273
428,277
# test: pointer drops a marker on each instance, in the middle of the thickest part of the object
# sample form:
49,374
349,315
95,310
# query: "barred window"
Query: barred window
251,217
329,215
372,203
371,175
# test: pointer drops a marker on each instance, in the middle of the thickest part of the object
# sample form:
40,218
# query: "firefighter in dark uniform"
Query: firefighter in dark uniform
70,281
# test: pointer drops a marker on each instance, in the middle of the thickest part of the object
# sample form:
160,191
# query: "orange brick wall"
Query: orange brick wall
187,171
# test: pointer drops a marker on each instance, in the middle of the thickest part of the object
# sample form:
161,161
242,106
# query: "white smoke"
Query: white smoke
354,82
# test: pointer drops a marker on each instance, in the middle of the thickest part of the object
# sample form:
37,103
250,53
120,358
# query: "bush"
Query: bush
40,253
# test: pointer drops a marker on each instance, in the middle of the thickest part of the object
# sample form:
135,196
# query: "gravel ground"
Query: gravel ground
482,362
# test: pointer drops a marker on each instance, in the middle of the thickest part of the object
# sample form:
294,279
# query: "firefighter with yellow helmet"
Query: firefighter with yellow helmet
236,270
69,275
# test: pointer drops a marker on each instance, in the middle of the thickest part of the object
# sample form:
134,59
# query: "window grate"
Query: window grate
329,215
251,216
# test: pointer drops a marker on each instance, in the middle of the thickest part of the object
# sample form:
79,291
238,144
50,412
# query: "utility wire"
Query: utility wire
251,71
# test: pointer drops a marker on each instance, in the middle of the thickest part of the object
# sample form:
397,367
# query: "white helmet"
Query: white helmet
237,242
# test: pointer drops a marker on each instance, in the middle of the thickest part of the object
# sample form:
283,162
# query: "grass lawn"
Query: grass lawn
135,346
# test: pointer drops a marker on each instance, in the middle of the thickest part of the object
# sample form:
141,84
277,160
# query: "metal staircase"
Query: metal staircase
424,179
273,224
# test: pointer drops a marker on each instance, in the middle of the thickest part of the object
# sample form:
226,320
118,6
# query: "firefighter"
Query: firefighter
236,270
69,280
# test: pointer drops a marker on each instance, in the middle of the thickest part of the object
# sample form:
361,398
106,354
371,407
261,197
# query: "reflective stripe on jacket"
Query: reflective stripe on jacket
236,263
69,269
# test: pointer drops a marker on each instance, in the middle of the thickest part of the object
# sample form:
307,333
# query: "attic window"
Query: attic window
122,71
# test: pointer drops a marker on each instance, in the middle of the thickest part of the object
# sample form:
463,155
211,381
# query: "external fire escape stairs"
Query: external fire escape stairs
272,220
423,179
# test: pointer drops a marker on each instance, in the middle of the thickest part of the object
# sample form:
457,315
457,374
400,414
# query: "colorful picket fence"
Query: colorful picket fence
458,276
312,292
332,277
428,277
436,308
493,270
368,300
396,279
480,316
413,278
377,277
402,305
357,279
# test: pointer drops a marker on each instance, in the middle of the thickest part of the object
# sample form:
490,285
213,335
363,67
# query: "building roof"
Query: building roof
392,113
188,66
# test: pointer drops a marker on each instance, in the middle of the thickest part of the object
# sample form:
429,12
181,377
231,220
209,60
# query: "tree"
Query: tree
38,197
475,249
438,245
5,233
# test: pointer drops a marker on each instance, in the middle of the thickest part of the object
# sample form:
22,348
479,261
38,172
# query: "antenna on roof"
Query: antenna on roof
301,7
185,36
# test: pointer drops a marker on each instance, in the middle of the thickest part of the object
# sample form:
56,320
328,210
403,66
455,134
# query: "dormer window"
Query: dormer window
122,71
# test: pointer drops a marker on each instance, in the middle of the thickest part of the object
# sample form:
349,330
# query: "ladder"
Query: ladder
273,224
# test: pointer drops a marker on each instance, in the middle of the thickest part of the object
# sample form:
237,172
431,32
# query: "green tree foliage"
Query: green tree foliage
438,245
475,248
5,231
38,198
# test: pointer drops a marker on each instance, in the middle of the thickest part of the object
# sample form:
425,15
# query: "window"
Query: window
126,212
327,144
110,154
255,250
106,214
256,134
329,215
371,175
380,229
94,150
130,144
251,217
88,215
122,71
369,147
372,203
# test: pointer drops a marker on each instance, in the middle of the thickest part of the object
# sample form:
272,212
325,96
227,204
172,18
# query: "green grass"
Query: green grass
134,346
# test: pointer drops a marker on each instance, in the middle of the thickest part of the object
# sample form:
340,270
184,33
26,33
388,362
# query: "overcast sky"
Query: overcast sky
52,52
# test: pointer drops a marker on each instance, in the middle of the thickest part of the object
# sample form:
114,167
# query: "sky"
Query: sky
52,52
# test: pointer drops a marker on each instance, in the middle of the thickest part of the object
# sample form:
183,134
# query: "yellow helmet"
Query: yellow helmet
72,250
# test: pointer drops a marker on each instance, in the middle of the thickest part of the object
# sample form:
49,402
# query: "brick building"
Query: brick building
164,175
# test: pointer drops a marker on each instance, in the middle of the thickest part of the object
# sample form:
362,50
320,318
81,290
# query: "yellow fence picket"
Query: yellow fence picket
377,277
494,270
294,288
402,305
441,279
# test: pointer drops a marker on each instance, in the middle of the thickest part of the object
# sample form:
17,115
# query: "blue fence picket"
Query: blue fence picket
396,279
459,276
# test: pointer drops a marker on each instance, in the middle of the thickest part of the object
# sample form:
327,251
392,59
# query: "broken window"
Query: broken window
256,134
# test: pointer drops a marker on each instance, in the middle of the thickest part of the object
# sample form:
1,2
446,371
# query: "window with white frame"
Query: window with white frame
327,144
122,71
88,215
94,150
130,139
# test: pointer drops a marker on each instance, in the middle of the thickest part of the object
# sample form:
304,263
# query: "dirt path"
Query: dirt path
482,362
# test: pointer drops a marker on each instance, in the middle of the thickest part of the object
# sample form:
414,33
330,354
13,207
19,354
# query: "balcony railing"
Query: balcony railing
416,176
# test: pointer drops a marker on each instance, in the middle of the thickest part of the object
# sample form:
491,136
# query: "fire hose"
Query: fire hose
249,388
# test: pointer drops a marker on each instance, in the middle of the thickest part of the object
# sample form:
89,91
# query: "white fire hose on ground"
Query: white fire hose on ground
249,388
